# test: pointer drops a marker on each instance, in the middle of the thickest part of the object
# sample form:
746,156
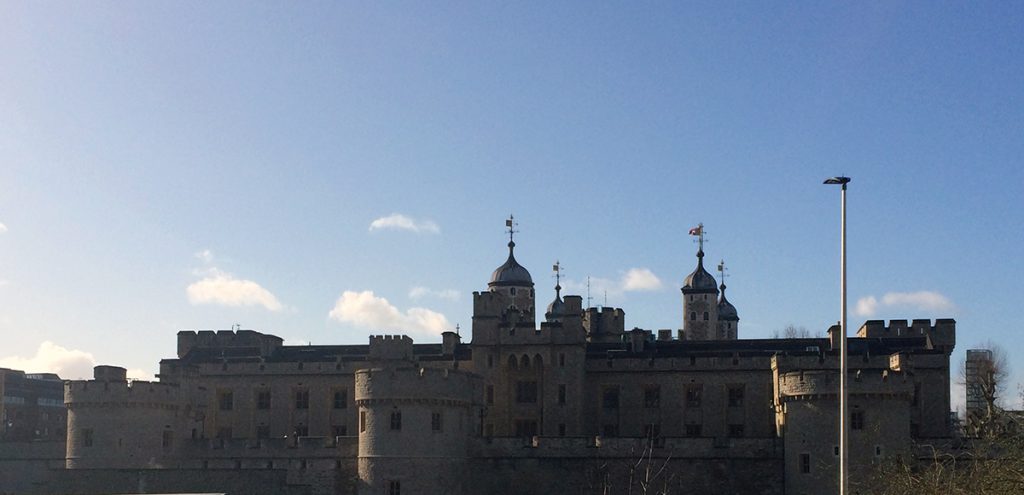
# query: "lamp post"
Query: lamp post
844,427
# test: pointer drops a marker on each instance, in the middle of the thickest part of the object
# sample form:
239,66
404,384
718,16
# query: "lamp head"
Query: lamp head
837,180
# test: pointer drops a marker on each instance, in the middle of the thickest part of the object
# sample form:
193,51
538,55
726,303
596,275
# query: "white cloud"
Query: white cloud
206,256
921,301
397,221
364,309
3,228
866,306
222,288
70,364
633,280
138,374
421,292
640,279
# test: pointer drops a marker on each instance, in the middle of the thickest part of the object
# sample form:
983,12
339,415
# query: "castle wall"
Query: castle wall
706,379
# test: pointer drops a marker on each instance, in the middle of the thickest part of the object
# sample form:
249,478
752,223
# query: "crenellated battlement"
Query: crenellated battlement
390,347
424,385
137,392
259,343
941,334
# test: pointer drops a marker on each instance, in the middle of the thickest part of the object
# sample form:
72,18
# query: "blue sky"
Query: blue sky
168,166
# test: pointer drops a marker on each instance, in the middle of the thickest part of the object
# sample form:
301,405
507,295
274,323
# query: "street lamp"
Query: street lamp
844,433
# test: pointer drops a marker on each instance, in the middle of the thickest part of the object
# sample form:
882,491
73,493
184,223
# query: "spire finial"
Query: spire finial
557,268
721,272
511,224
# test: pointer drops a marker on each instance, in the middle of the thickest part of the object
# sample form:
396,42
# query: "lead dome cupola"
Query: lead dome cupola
511,272
700,279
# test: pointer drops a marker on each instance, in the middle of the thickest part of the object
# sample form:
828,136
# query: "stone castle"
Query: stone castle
576,404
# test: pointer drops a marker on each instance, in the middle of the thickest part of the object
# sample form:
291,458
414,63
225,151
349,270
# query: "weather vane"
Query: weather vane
511,224
699,232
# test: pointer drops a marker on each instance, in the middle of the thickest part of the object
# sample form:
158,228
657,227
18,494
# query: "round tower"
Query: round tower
414,429
728,318
700,302
513,282
113,423
807,406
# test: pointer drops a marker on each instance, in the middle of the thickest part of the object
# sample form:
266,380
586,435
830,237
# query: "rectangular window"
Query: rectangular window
396,420
394,487
262,431
693,395
435,421
561,394
167,440
263,399
525,428
561,360
362,421
226,400
857,420
301,398
339,430
490,394
736,431
341,399
805,463
301,431
652,396
693,430
610,430
736,393
561,429
526,392
610,398
87,437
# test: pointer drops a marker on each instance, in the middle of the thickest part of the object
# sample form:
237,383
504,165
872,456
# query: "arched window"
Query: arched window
512,363
512,290
693,316
538,362
525,362
705,316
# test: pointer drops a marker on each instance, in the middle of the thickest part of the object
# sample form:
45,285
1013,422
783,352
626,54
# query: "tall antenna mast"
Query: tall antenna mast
605,298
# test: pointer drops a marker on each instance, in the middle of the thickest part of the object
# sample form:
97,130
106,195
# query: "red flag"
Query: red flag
695,230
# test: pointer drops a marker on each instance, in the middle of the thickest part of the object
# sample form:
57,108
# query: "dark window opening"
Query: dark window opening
396,420
302,399
857,420
263,399
526,392
652,397
610,398
341,399
736,393
693,430
693,395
